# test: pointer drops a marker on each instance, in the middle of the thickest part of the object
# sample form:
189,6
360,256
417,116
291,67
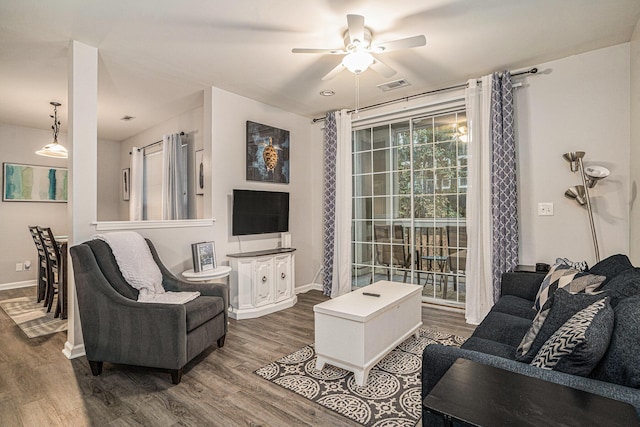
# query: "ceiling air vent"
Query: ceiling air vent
127,118
396,84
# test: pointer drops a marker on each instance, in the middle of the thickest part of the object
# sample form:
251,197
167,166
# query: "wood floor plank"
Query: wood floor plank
39,386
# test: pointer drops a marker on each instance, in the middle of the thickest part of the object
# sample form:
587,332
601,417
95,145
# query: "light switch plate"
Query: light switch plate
545,209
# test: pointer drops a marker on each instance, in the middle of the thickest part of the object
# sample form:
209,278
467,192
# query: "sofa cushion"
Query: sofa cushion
563,275
578,345
201,310
623,285
486,346
611,267
516,306
493,328
621,363
563,305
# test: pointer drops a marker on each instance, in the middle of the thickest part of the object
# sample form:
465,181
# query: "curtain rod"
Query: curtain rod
153,143
533,70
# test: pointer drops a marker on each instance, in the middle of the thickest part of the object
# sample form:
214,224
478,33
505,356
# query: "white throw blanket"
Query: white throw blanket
139,269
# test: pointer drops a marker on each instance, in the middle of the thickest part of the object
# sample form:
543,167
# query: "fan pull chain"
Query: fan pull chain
357,92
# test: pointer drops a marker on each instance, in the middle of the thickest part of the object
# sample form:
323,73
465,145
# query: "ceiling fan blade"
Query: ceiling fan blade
382,68
331,51
409,42
356,28
331,74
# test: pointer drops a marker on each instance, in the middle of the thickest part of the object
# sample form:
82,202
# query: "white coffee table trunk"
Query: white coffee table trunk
355,331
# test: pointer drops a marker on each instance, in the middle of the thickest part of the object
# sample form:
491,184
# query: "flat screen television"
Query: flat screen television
259,212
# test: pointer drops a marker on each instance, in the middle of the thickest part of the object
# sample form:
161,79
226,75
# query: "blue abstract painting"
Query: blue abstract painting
29,183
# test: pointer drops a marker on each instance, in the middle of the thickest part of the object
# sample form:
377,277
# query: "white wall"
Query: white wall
109,175
16,245
578,103
634,204
228,164
18,146
189,122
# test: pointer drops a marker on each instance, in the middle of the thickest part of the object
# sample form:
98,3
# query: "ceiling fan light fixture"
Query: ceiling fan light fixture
358,61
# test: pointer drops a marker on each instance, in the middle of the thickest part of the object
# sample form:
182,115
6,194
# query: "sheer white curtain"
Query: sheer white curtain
342,252
136,180
479,298
174,201
337,204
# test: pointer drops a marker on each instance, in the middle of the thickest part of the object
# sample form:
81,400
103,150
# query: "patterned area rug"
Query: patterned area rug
32,317
391,396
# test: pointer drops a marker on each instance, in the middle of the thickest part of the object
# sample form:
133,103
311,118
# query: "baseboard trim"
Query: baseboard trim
73,352
16,285
310,287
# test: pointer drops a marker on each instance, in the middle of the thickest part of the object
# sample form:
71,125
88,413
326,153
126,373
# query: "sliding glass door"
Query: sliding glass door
409,204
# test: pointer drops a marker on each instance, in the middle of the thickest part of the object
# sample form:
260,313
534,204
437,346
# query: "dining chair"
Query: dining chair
457,251
42,264
436,258
54,272
391,249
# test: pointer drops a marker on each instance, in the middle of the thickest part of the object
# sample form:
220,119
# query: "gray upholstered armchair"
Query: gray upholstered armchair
118,329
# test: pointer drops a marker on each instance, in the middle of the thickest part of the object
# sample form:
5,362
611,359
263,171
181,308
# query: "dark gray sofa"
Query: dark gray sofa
495,340
118,329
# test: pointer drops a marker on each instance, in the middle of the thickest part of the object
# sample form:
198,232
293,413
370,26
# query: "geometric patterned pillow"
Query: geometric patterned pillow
572,342
532,333
563,275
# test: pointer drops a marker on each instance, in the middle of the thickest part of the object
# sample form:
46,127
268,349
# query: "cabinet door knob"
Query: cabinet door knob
283,275
264,279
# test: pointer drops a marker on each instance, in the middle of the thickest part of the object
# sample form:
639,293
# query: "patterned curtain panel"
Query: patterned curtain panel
504,198
329,214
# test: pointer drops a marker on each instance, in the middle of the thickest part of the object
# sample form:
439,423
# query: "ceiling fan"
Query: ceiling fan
360,54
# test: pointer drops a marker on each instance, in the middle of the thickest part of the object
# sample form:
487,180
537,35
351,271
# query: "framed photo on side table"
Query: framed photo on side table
204,256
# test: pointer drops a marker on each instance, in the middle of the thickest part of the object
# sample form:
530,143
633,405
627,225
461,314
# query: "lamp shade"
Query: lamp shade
358,61
54,149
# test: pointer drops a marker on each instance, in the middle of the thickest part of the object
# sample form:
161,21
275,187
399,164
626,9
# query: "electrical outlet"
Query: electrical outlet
545,209
19,266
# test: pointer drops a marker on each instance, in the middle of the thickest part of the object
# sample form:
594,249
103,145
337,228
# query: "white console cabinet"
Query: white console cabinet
262,282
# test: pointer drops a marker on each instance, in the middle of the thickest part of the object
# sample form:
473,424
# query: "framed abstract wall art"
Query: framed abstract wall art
267,153
31,183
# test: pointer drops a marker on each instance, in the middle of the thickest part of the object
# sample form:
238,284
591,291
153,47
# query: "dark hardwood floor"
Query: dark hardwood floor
39,386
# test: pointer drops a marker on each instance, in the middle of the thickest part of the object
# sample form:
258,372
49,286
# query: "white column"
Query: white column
82,184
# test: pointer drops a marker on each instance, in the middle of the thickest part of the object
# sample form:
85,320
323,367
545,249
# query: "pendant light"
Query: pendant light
54,149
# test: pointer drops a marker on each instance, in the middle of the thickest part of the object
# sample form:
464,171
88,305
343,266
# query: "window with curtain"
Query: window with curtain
409,203
152,181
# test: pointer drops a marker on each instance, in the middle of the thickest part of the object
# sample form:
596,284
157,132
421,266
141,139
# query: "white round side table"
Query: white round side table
205,276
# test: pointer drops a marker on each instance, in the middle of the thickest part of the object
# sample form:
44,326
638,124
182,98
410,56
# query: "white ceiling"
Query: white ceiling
156,56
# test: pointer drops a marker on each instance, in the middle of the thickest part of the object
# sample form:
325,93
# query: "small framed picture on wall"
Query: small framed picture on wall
199,172
204,256
126,183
